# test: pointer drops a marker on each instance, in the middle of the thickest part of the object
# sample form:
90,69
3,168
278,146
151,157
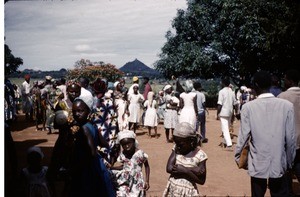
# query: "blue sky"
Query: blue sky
50,35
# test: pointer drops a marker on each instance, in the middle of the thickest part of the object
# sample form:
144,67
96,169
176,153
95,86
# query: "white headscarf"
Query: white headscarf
116,84
184,130
87,97
127,134
167,87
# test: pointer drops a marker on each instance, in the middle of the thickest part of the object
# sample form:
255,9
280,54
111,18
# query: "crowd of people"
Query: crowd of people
97,152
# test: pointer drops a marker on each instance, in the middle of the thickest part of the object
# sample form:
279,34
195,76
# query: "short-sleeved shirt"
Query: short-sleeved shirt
200,101
227,99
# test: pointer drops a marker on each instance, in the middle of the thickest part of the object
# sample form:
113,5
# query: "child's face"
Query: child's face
183,145
80,111
128,145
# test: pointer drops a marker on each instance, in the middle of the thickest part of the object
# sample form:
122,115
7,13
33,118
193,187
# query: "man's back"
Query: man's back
270,122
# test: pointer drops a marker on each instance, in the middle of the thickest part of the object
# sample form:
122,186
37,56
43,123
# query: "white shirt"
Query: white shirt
227,99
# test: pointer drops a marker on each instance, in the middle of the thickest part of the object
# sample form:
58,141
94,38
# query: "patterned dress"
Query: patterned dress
130,179
105,119
183,187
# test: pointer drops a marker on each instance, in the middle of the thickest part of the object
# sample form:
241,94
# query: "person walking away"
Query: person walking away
268,124
188,105
201,117
226,104
151,118
186,164
292,94
129,175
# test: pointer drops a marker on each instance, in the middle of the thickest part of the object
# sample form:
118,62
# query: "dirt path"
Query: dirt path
223,176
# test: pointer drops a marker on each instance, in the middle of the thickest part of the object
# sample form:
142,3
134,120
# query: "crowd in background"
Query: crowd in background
97,123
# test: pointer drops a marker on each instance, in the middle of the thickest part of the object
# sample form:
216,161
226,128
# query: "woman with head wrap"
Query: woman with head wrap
135,100
89,175
171,116
104,117
188,105
151,114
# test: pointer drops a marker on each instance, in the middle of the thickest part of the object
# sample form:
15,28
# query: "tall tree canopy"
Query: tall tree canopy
236,38
11,62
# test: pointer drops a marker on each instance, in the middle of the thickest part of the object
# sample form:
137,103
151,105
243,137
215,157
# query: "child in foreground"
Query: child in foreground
129,175
186,164
33,176
88,172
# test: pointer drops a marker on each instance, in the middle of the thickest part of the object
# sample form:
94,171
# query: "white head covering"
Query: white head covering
116,83
167,87
35,149
244,88
135,85
189,85
87,97
48,77
184,130
127,134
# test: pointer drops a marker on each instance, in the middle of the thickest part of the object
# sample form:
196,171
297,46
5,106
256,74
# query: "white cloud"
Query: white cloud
55,34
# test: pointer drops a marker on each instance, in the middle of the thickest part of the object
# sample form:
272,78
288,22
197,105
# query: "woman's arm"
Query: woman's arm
195,104
147,171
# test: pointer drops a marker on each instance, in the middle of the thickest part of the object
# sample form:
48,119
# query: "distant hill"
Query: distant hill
134,68
37,74
138,68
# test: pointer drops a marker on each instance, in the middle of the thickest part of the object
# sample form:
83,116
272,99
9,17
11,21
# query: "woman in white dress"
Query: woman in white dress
151,118
188,105
135,100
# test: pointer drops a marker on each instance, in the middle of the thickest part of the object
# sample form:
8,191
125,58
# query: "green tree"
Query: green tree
11,62
236,38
